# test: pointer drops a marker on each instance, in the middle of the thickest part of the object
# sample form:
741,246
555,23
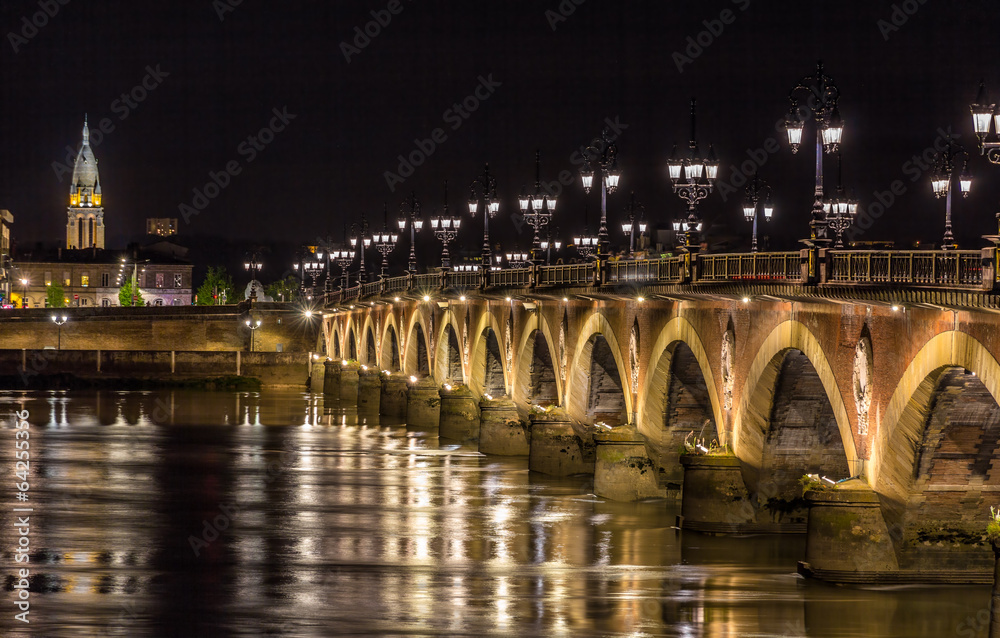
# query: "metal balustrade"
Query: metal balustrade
670,269
750,266
965,270
566,275
953,268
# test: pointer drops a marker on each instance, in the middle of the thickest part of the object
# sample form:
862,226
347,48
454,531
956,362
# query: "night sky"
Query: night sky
554,83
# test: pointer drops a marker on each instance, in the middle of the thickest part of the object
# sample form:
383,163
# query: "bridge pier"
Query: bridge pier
502,431
459,414
369,390
423,404
558,446
331,378
715,498
847,538
349,383
392,400
623,470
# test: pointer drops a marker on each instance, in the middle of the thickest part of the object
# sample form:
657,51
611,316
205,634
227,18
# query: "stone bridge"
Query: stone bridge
721,379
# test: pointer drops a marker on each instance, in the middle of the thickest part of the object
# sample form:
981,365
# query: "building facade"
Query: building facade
85,214
162,226
93,280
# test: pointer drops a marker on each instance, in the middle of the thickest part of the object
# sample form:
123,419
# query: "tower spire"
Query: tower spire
86,131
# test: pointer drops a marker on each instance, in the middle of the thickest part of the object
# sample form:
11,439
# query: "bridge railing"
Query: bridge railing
351,293
427,281
786,266
952,268
666,270
371,288
397,284
510,278
464,279
567,275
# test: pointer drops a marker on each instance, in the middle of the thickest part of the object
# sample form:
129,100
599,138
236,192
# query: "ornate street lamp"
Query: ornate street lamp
360,241
343,257
410,208
692,178
758,193
840,211
985,113
312,266
519,260
607,163
385,242
485,186
630,226
445,228
821,95
253,264
944,170
253,325
537,209
547,245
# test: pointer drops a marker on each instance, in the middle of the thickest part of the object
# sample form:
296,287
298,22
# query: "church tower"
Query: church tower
85,215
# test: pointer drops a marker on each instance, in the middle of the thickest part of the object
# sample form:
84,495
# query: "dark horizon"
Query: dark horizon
551,82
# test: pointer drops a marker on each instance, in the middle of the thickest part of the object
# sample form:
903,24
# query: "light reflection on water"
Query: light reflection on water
351,526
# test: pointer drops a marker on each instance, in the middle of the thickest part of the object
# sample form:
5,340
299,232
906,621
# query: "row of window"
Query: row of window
44,303
159,280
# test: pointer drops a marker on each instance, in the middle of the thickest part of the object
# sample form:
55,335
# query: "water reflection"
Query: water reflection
247,514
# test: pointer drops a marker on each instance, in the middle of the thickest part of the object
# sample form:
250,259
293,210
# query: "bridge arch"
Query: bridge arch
350,346
448,352
597,359
390,359
770,424
677,344
534,370
416,358
487,373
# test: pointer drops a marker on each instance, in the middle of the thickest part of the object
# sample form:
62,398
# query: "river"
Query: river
182,513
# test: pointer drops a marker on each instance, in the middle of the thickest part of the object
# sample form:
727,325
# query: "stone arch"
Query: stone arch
582,393
335,338
448,354
390,349
415,357
371,350
352,345
534,373
933,459
679,396
791,420
487,372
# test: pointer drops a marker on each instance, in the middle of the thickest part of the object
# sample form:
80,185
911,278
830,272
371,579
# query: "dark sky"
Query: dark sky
608,59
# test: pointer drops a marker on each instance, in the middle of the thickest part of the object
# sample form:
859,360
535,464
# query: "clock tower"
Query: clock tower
85,214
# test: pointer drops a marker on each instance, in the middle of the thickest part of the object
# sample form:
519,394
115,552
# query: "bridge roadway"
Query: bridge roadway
721,379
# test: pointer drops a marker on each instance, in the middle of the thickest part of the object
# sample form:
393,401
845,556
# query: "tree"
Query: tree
218,288
56,295
286,289
125,294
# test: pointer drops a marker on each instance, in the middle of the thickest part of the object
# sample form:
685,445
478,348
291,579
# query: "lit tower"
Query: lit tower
85,215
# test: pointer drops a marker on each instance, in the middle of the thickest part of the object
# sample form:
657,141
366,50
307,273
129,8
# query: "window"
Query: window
105,302
158,302
85,280
159,281
178,280
83,302
48,277
105,279
66,280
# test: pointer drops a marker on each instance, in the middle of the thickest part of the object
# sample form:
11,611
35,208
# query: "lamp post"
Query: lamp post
343,257
59,321
607,163
547,245
692,179
253,264
24,295
944,169
519,260
253,324
486,185
537,209
821,95
312,266
840,210
758,193
410,208
983,114
445,229
385,242
360,241
634,209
